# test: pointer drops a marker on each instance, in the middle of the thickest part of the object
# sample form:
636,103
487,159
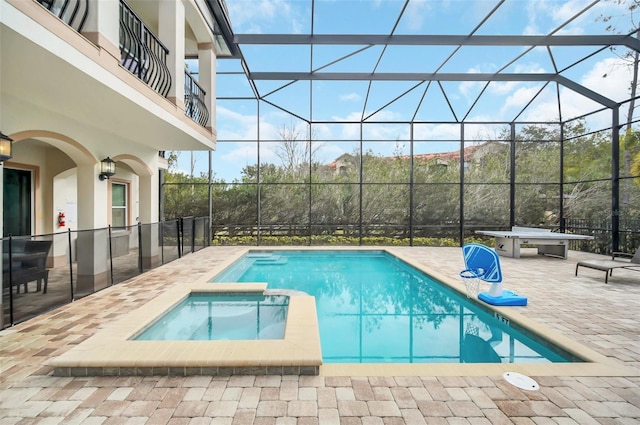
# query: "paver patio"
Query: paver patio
602,317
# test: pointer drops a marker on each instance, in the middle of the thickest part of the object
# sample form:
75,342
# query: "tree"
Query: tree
295,154
632,59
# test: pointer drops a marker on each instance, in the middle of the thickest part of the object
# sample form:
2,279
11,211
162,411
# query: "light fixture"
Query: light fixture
5,147
107,168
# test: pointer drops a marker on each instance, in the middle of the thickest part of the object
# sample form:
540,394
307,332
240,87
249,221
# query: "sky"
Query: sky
337,106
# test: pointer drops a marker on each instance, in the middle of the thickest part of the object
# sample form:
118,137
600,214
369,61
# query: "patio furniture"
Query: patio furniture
28,263
630,262
549,243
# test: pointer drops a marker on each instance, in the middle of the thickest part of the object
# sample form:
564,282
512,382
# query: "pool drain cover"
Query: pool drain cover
521,381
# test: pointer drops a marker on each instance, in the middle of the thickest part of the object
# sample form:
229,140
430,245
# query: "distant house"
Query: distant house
472,155
342,164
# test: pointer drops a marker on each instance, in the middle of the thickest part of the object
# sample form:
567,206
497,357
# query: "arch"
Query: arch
196,21
72,148
137,165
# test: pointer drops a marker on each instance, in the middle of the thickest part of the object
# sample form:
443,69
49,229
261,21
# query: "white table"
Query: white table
548,242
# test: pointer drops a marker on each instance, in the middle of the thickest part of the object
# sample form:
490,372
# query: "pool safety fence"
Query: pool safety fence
44,272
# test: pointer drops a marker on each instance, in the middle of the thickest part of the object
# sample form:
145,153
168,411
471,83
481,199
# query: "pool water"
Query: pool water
211,316
374,308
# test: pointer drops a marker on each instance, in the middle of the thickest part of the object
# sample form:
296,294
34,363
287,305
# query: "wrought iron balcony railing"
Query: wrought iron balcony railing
142,53
72,12
194,106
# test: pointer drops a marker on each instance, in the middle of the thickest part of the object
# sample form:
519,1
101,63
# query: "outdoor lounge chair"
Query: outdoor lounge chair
607,266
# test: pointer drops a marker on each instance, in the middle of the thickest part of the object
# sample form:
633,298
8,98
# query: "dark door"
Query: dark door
16,202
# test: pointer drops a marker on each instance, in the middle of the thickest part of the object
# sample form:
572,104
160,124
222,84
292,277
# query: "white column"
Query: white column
207,79
103,25
148,201
171,29
92,246
92,197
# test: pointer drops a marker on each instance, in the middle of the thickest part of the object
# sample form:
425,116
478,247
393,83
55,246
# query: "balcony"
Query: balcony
145,56
194,105
142,53
73,12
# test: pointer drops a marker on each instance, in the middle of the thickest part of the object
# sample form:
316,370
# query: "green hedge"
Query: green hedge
334,241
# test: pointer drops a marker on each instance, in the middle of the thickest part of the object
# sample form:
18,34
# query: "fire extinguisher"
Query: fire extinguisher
61,219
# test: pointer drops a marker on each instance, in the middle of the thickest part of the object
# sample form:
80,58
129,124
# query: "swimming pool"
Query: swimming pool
374,308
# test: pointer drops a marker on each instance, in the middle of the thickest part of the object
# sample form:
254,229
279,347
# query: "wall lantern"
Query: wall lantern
107,168
5,147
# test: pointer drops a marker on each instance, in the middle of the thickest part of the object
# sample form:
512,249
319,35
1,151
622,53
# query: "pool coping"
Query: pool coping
113,352
110,352
595,364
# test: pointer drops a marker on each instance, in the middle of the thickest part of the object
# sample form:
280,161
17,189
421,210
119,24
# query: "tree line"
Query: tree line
366,193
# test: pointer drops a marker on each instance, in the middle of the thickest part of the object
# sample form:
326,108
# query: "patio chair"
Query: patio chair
484,263
28,263
628,261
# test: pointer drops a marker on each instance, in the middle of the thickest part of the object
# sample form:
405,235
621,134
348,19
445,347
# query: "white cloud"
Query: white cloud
533,8
505,87
519,99
242,153
416,13
468,87
563,12
243,130
235,126
371,131
545,16
240,14
322,132
437,131
614,86
329,152
350,97
260,16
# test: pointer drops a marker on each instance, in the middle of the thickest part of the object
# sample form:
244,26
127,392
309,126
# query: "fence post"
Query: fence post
140,248
193,235
110,255
161,224
70,265
178,226
10,282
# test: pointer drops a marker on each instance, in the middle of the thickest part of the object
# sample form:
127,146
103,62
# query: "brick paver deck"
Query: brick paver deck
602,317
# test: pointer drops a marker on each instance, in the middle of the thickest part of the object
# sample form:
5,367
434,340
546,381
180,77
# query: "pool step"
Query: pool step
273,260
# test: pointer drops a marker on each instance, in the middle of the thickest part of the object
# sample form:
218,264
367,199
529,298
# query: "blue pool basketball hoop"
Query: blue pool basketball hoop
471,279
483,264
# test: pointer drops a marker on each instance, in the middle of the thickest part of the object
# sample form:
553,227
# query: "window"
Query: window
119,208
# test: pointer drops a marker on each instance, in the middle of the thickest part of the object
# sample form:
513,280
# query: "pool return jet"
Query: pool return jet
483,264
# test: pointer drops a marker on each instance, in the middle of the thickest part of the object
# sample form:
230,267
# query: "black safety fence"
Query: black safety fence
44,272
601,230
439,234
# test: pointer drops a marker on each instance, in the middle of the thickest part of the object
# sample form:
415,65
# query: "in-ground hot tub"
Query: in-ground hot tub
116,351
219,316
